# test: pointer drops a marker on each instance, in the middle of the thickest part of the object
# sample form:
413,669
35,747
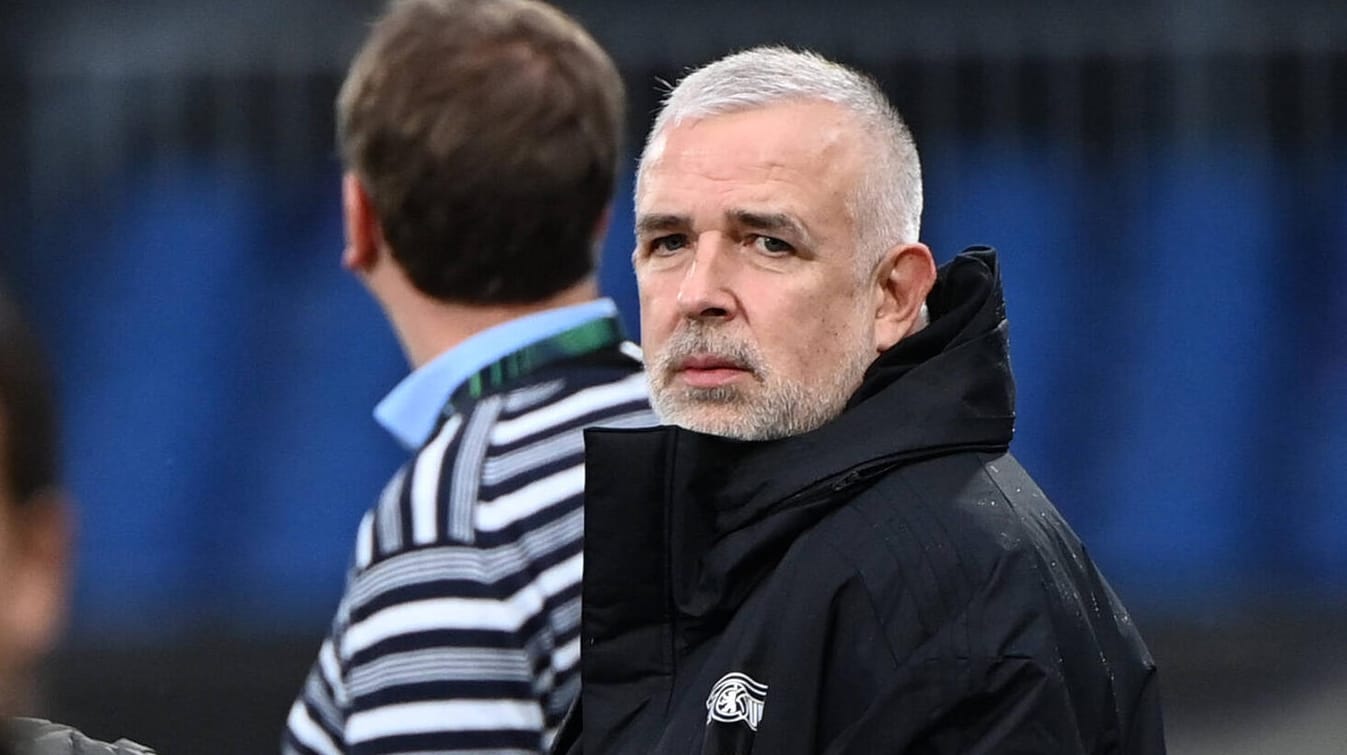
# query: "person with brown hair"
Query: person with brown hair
480,140
34,545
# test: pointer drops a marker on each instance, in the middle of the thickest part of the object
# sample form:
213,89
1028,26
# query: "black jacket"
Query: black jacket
33,736
893,582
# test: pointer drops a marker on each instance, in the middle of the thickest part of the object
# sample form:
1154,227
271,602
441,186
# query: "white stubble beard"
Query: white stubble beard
779,408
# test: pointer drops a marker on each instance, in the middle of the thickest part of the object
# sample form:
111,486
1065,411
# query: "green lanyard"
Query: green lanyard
582,339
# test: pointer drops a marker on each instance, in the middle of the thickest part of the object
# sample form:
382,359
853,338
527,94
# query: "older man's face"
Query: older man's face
756,320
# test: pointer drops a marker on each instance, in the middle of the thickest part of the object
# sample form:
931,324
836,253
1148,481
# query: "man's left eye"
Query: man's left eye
772,245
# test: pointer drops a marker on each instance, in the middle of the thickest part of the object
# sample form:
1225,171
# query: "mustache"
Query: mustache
697,340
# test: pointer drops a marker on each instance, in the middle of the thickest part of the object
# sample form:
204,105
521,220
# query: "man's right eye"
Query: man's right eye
665,245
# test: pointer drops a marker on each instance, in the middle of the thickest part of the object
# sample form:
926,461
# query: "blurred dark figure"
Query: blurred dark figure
34,544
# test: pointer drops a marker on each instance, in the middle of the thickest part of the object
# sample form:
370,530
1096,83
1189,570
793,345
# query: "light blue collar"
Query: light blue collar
412,409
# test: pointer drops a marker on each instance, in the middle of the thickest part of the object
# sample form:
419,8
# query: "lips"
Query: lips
706,371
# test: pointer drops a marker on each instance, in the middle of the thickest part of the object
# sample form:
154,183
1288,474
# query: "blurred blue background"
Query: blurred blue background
1167,186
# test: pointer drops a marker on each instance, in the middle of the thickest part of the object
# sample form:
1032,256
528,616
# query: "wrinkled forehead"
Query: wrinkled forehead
816,140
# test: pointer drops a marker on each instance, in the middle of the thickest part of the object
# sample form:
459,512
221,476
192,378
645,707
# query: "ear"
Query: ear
364,236
903,279
37,576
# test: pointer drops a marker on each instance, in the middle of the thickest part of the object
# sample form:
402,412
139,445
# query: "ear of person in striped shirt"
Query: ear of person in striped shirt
480,141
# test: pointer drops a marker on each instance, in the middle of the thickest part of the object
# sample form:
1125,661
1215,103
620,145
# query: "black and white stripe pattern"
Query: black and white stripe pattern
459,630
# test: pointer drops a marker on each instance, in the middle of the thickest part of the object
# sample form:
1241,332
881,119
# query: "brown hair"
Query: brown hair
28,424
486,133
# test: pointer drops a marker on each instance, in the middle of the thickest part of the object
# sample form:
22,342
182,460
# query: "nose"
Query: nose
704,293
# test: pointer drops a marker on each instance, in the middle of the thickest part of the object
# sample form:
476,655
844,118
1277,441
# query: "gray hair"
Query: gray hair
887,202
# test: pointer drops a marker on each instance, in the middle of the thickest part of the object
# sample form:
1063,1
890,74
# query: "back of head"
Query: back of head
888,202
486,133
28,425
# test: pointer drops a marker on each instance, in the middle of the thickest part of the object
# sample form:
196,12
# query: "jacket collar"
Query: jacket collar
722,511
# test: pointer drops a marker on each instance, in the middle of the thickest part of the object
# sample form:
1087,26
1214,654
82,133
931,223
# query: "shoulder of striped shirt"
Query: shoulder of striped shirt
526,420
559,403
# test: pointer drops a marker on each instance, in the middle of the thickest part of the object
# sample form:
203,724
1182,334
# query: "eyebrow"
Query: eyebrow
648,224
775,222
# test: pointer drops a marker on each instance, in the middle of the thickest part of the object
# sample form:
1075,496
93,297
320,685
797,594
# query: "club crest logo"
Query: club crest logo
736,697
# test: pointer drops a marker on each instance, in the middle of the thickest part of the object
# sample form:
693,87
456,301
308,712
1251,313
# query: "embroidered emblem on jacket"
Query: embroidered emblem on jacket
736,697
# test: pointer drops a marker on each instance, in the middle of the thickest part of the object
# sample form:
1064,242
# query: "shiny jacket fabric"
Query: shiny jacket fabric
893,582
32,736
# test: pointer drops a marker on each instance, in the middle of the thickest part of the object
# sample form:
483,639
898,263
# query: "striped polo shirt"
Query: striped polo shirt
459,628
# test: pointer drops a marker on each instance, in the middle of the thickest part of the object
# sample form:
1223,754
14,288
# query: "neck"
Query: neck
428,327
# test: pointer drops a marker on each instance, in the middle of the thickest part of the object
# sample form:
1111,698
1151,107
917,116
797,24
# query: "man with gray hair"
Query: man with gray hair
830,549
